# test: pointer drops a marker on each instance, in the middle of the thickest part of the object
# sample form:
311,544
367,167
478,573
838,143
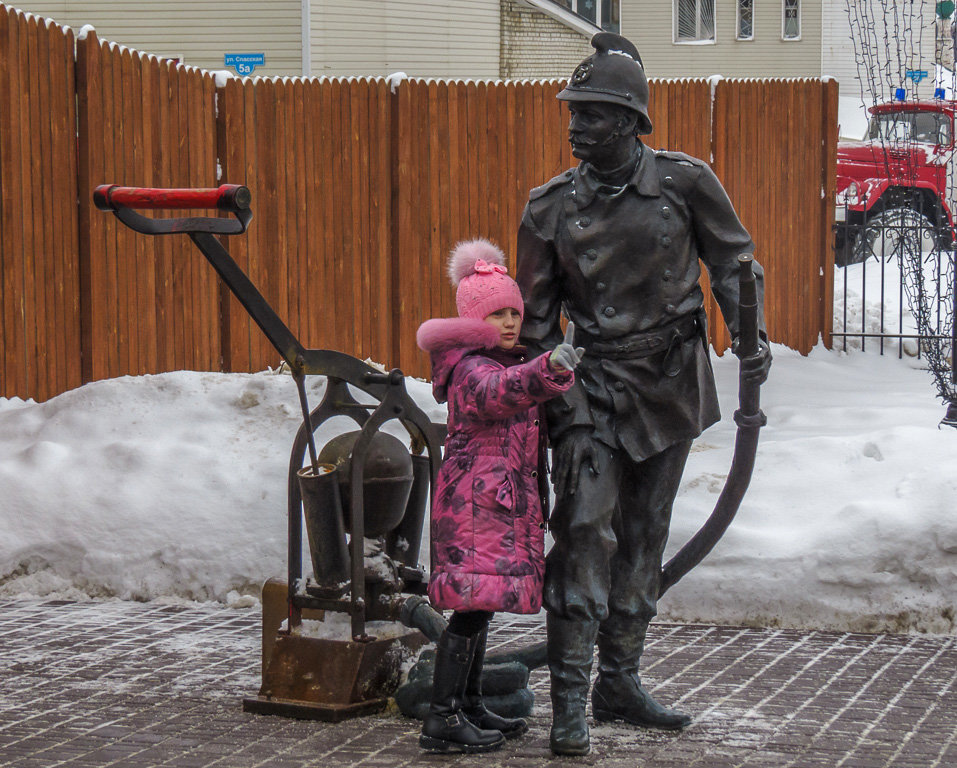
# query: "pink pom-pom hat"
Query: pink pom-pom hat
477,269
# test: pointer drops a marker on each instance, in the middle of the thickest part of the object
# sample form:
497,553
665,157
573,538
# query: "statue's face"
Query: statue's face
593,130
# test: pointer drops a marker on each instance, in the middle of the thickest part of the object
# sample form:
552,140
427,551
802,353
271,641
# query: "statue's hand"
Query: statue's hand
566,355
755,368
573,450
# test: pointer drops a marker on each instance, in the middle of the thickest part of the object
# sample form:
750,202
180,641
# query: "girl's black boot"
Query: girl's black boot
446,728
474,708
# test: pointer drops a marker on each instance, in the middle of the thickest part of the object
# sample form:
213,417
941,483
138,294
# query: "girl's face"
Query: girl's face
508,321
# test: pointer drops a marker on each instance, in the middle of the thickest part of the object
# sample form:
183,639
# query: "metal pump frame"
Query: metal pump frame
342,371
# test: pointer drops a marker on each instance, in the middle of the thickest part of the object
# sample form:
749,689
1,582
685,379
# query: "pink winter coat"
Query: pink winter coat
488,548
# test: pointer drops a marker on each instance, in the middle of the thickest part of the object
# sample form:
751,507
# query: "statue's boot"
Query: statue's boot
474,705
571,649
618,693
446,728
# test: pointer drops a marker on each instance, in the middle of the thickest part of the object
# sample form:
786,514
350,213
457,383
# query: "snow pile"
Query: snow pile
867,299
174,486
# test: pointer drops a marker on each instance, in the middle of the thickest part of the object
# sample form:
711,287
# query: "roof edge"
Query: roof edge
563,15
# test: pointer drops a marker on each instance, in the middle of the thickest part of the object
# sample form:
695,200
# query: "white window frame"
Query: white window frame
737,22
674,26
784,21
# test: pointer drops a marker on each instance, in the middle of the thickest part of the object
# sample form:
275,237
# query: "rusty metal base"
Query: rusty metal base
304,710
319,678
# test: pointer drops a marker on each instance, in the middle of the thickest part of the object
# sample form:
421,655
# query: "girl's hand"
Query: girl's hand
566,355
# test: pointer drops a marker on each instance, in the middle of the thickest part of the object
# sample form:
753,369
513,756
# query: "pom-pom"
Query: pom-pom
465,254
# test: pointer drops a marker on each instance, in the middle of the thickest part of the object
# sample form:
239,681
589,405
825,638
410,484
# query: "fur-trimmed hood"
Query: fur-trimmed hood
449,339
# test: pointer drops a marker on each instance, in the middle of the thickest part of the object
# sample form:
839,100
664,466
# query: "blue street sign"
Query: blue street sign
939,93
899,94
245,63
916,74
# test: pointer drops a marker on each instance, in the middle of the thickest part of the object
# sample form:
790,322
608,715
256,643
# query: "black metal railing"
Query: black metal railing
896,286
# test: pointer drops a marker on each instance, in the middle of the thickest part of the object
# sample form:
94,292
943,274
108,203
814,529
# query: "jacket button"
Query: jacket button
609,311
584,221
668,181
535,422
591,254
666,212
665,240
600,286
670,308
620,386
534,473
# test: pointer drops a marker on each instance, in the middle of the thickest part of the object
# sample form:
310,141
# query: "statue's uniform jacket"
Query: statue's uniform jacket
625,264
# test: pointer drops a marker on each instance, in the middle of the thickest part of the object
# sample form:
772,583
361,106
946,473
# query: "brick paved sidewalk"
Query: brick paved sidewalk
128,684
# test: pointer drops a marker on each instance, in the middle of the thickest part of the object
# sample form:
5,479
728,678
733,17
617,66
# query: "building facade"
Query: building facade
869,47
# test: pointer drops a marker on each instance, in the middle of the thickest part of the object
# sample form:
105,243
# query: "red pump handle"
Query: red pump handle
228,197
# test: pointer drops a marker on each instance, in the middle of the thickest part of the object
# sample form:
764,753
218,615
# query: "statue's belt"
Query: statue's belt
646,343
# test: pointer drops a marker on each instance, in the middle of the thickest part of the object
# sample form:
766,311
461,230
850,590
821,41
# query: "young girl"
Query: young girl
489,503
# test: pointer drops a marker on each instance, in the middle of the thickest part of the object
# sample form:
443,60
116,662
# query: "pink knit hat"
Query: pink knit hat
477,269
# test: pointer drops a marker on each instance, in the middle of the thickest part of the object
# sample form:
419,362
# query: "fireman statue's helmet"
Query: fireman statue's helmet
613,74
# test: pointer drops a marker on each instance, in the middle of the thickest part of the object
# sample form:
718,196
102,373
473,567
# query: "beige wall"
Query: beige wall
649,26
197,31
423,38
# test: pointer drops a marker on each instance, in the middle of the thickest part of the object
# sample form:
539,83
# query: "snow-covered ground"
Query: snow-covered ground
172,487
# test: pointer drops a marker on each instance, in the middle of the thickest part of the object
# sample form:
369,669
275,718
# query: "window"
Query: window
899,127
694,21
602,13
745,25
791,23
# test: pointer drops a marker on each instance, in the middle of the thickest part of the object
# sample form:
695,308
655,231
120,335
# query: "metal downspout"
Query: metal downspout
306,35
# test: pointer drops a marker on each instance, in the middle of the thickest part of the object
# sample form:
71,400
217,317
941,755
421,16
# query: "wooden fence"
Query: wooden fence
359,191
39,271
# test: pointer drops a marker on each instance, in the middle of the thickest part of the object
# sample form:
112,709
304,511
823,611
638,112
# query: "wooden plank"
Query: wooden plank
46,313
312,213
202,156
66,185
829,181
163,248
436,169
33,224
404,279
359,171
6,298
472,161
278,246
380,133
123,149
341,252
297,216
109,164
11,86
498,144
231,146
146,296
134,258
459,193
89,123
328,252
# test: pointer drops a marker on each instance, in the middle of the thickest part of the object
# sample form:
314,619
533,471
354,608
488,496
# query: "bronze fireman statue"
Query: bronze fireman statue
615,244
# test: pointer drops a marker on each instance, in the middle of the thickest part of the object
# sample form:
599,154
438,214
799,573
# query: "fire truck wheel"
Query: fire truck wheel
894,233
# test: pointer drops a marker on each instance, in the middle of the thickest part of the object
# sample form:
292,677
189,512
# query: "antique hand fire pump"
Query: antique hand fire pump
363,496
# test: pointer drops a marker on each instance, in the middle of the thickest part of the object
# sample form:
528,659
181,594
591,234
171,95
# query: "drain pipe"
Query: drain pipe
306,35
